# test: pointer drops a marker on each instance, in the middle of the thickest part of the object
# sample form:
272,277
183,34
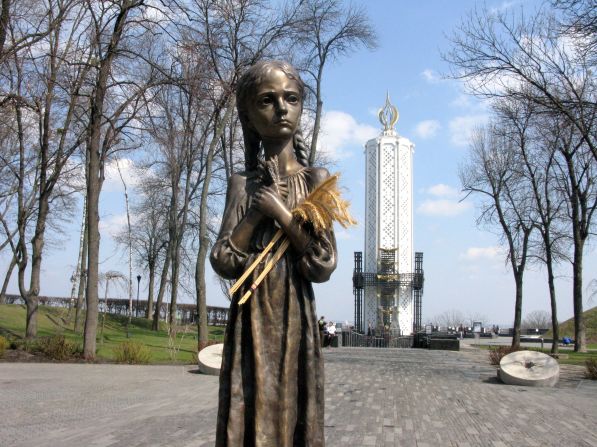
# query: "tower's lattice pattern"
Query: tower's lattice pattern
387,290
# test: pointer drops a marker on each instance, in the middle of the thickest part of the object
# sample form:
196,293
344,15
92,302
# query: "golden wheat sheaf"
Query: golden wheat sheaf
324,206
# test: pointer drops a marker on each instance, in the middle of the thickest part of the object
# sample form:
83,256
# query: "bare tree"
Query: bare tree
576,171
24,23
580,21
148,231
47,104
121,77
449,318
537,319
527,58
329,30
504,200
538,165
509,55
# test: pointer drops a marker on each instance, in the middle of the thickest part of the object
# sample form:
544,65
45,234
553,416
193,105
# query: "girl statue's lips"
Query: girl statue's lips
282,123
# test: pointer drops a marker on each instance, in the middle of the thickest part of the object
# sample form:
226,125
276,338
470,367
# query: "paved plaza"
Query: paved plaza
374,397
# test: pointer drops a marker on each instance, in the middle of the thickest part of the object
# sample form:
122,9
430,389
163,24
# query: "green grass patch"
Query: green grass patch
569,357
178,347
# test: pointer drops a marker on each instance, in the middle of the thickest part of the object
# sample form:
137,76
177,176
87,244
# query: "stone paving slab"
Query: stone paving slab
374,397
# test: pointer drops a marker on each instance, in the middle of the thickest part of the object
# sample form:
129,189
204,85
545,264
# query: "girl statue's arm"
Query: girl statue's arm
241,235
269,203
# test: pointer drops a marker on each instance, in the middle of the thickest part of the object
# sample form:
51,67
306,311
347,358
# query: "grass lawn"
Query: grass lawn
52,320
574,358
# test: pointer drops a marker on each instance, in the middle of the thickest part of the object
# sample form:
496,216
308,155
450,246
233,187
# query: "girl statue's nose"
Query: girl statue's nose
281,107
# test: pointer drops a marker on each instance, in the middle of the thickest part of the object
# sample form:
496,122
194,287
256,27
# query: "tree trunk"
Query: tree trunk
318,112
202,326
94,180
37,245
11,267
555,327
82,278
174,248
203,329
517,310
163,279
32,306
4,19
580,342
93,241
174,284
316,127
577,204
149,309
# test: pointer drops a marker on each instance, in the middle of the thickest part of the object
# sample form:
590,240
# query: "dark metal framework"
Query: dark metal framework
386,280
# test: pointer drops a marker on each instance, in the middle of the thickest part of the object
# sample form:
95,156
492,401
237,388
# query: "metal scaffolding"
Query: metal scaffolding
387,281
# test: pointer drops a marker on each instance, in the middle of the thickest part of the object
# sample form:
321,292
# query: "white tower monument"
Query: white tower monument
389,274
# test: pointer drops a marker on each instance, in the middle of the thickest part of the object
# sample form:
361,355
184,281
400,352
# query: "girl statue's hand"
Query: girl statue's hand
269,203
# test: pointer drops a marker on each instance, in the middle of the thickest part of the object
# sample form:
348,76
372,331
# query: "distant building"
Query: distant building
388,282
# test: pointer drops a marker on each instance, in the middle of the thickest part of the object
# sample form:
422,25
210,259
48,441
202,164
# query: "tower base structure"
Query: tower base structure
386,301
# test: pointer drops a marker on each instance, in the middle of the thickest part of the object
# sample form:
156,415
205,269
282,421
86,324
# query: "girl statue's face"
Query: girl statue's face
275,109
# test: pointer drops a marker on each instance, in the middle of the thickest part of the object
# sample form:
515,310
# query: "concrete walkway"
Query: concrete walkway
374,397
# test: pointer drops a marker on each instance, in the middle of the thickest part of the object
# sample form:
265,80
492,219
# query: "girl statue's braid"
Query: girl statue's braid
301,150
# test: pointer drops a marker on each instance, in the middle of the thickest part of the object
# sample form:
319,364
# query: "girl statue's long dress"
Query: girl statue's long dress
271,381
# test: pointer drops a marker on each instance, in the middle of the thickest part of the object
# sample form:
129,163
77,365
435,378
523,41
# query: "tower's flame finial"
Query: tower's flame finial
388,114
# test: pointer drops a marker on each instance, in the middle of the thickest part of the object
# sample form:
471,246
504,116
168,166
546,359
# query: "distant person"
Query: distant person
322,325
331,332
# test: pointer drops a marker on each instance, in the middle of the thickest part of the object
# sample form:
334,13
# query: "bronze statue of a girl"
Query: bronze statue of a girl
271,380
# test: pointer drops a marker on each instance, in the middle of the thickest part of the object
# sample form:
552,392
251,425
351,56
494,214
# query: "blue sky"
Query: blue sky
464,266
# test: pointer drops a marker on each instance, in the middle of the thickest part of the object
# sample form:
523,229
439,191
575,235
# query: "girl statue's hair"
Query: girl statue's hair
245,90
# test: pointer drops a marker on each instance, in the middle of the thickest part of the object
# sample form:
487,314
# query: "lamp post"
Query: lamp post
137,308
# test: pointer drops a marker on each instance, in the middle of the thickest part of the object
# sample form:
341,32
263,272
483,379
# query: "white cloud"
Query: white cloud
113,224
442,190
482,253
129,173
338,130
431,76
443,207
427,129
462,127
462,101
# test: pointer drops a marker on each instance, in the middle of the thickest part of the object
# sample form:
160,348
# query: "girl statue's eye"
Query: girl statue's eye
266,100
292,99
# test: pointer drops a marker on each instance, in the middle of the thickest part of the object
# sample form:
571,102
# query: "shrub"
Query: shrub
496,354
132,352
3,345
26,345
591,372
58,348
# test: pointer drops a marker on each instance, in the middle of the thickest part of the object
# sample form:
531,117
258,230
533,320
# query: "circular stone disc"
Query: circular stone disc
529,368
210,359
